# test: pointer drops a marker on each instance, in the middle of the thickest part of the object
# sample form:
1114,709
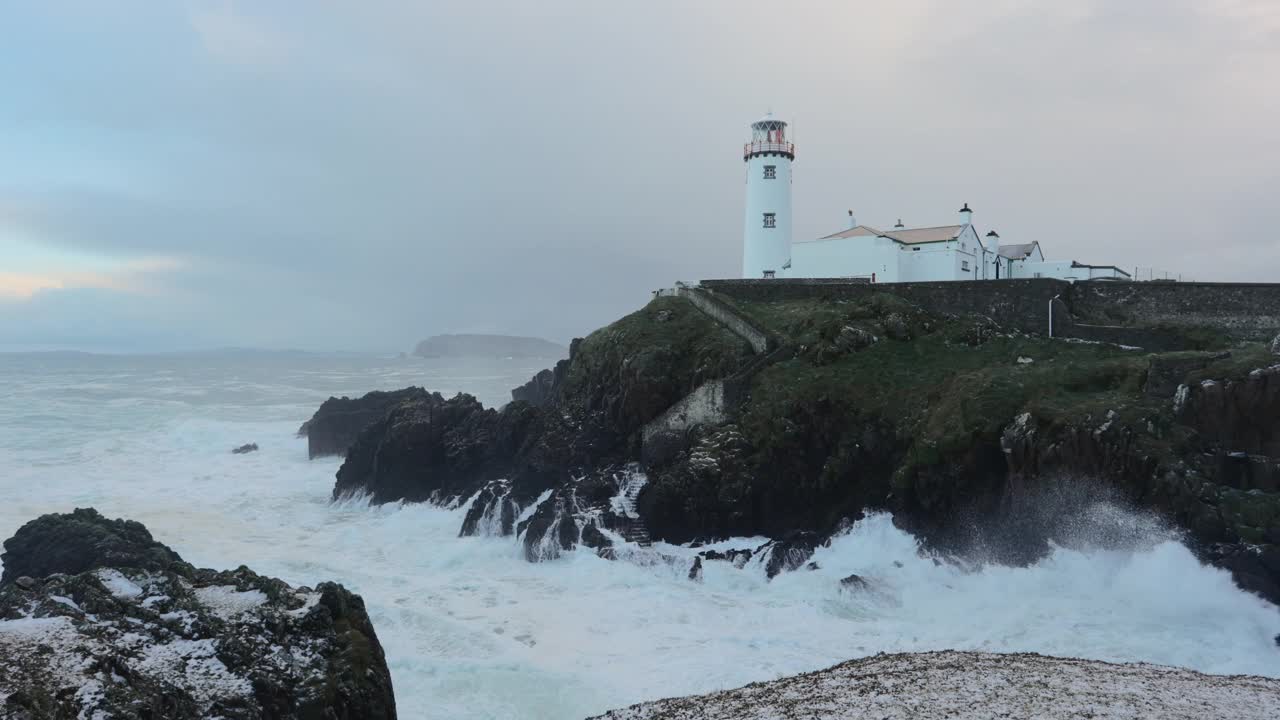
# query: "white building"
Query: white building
897,254
766,242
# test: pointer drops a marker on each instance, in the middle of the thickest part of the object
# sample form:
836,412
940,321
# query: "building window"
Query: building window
770,220
964,265
770,172
915,249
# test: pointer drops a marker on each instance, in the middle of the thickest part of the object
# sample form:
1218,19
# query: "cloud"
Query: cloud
231,35
359,175
136,276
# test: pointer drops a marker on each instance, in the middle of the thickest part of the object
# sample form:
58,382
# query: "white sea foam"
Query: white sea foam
471,630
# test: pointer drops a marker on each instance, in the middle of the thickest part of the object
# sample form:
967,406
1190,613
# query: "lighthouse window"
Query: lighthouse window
964,265
770,172
770,220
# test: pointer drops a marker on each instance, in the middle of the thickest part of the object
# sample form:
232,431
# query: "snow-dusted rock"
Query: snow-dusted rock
958,685
122,627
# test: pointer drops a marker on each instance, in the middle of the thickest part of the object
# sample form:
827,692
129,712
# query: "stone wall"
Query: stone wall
1249,311
1020,304
761,341
1123,312
666,434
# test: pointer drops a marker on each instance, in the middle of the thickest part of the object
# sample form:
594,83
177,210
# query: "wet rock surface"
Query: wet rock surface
117,625
245,449
338,421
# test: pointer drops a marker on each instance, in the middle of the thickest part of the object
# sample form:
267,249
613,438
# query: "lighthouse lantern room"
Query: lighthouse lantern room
766,239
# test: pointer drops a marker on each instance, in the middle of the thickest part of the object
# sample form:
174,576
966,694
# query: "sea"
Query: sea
471,630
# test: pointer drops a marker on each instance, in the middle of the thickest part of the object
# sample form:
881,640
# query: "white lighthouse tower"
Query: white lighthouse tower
766,237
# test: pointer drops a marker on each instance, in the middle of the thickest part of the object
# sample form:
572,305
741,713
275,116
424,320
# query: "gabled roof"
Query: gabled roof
859,231
906,236
914,236
1018,252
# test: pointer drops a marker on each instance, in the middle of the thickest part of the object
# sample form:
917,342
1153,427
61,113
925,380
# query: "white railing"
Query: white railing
753,148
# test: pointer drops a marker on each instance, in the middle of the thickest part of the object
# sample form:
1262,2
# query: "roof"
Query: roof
912,236
1075,264
1018,252
769,122
906,236
859,231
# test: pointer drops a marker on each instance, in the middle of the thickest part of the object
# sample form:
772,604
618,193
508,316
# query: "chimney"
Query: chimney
966,215
992,242
853,223
899,226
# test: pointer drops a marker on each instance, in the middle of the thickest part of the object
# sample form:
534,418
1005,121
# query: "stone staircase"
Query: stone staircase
632,528
629,525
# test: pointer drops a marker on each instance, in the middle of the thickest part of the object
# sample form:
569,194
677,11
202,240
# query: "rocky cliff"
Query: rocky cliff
950,421
338,421
99,620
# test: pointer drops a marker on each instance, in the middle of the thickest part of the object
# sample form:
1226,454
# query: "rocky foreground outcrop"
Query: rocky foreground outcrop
959,685
98,620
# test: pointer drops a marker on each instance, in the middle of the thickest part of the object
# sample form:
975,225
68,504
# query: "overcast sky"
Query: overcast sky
357,176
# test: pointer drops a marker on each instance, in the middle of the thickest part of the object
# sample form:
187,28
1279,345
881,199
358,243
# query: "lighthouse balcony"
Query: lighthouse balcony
752,149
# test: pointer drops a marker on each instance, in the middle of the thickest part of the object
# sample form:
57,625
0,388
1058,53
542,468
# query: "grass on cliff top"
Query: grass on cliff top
790,319
937,390
668,336
955,379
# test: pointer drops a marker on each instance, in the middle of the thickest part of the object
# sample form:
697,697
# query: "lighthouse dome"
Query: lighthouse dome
769,122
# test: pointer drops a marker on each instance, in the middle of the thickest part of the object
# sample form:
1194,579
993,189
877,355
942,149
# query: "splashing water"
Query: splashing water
471,630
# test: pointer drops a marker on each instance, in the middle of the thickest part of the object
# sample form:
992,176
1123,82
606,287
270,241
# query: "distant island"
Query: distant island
490,346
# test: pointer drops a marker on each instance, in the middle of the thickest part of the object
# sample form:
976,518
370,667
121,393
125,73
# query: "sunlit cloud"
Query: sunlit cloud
133,276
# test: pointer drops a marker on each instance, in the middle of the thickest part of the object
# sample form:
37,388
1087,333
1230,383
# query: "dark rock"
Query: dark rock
695,570
79,541
1166,372
977,332
593,538
895,326
854,582
703,492
853,339
335,426
231,644
813,566
739,558
789,553
244,449
26,583
492,512
542,389
1275,346
1237,415
552,528
430,448
1254,568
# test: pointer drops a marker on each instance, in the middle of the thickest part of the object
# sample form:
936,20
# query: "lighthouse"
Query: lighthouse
766,236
